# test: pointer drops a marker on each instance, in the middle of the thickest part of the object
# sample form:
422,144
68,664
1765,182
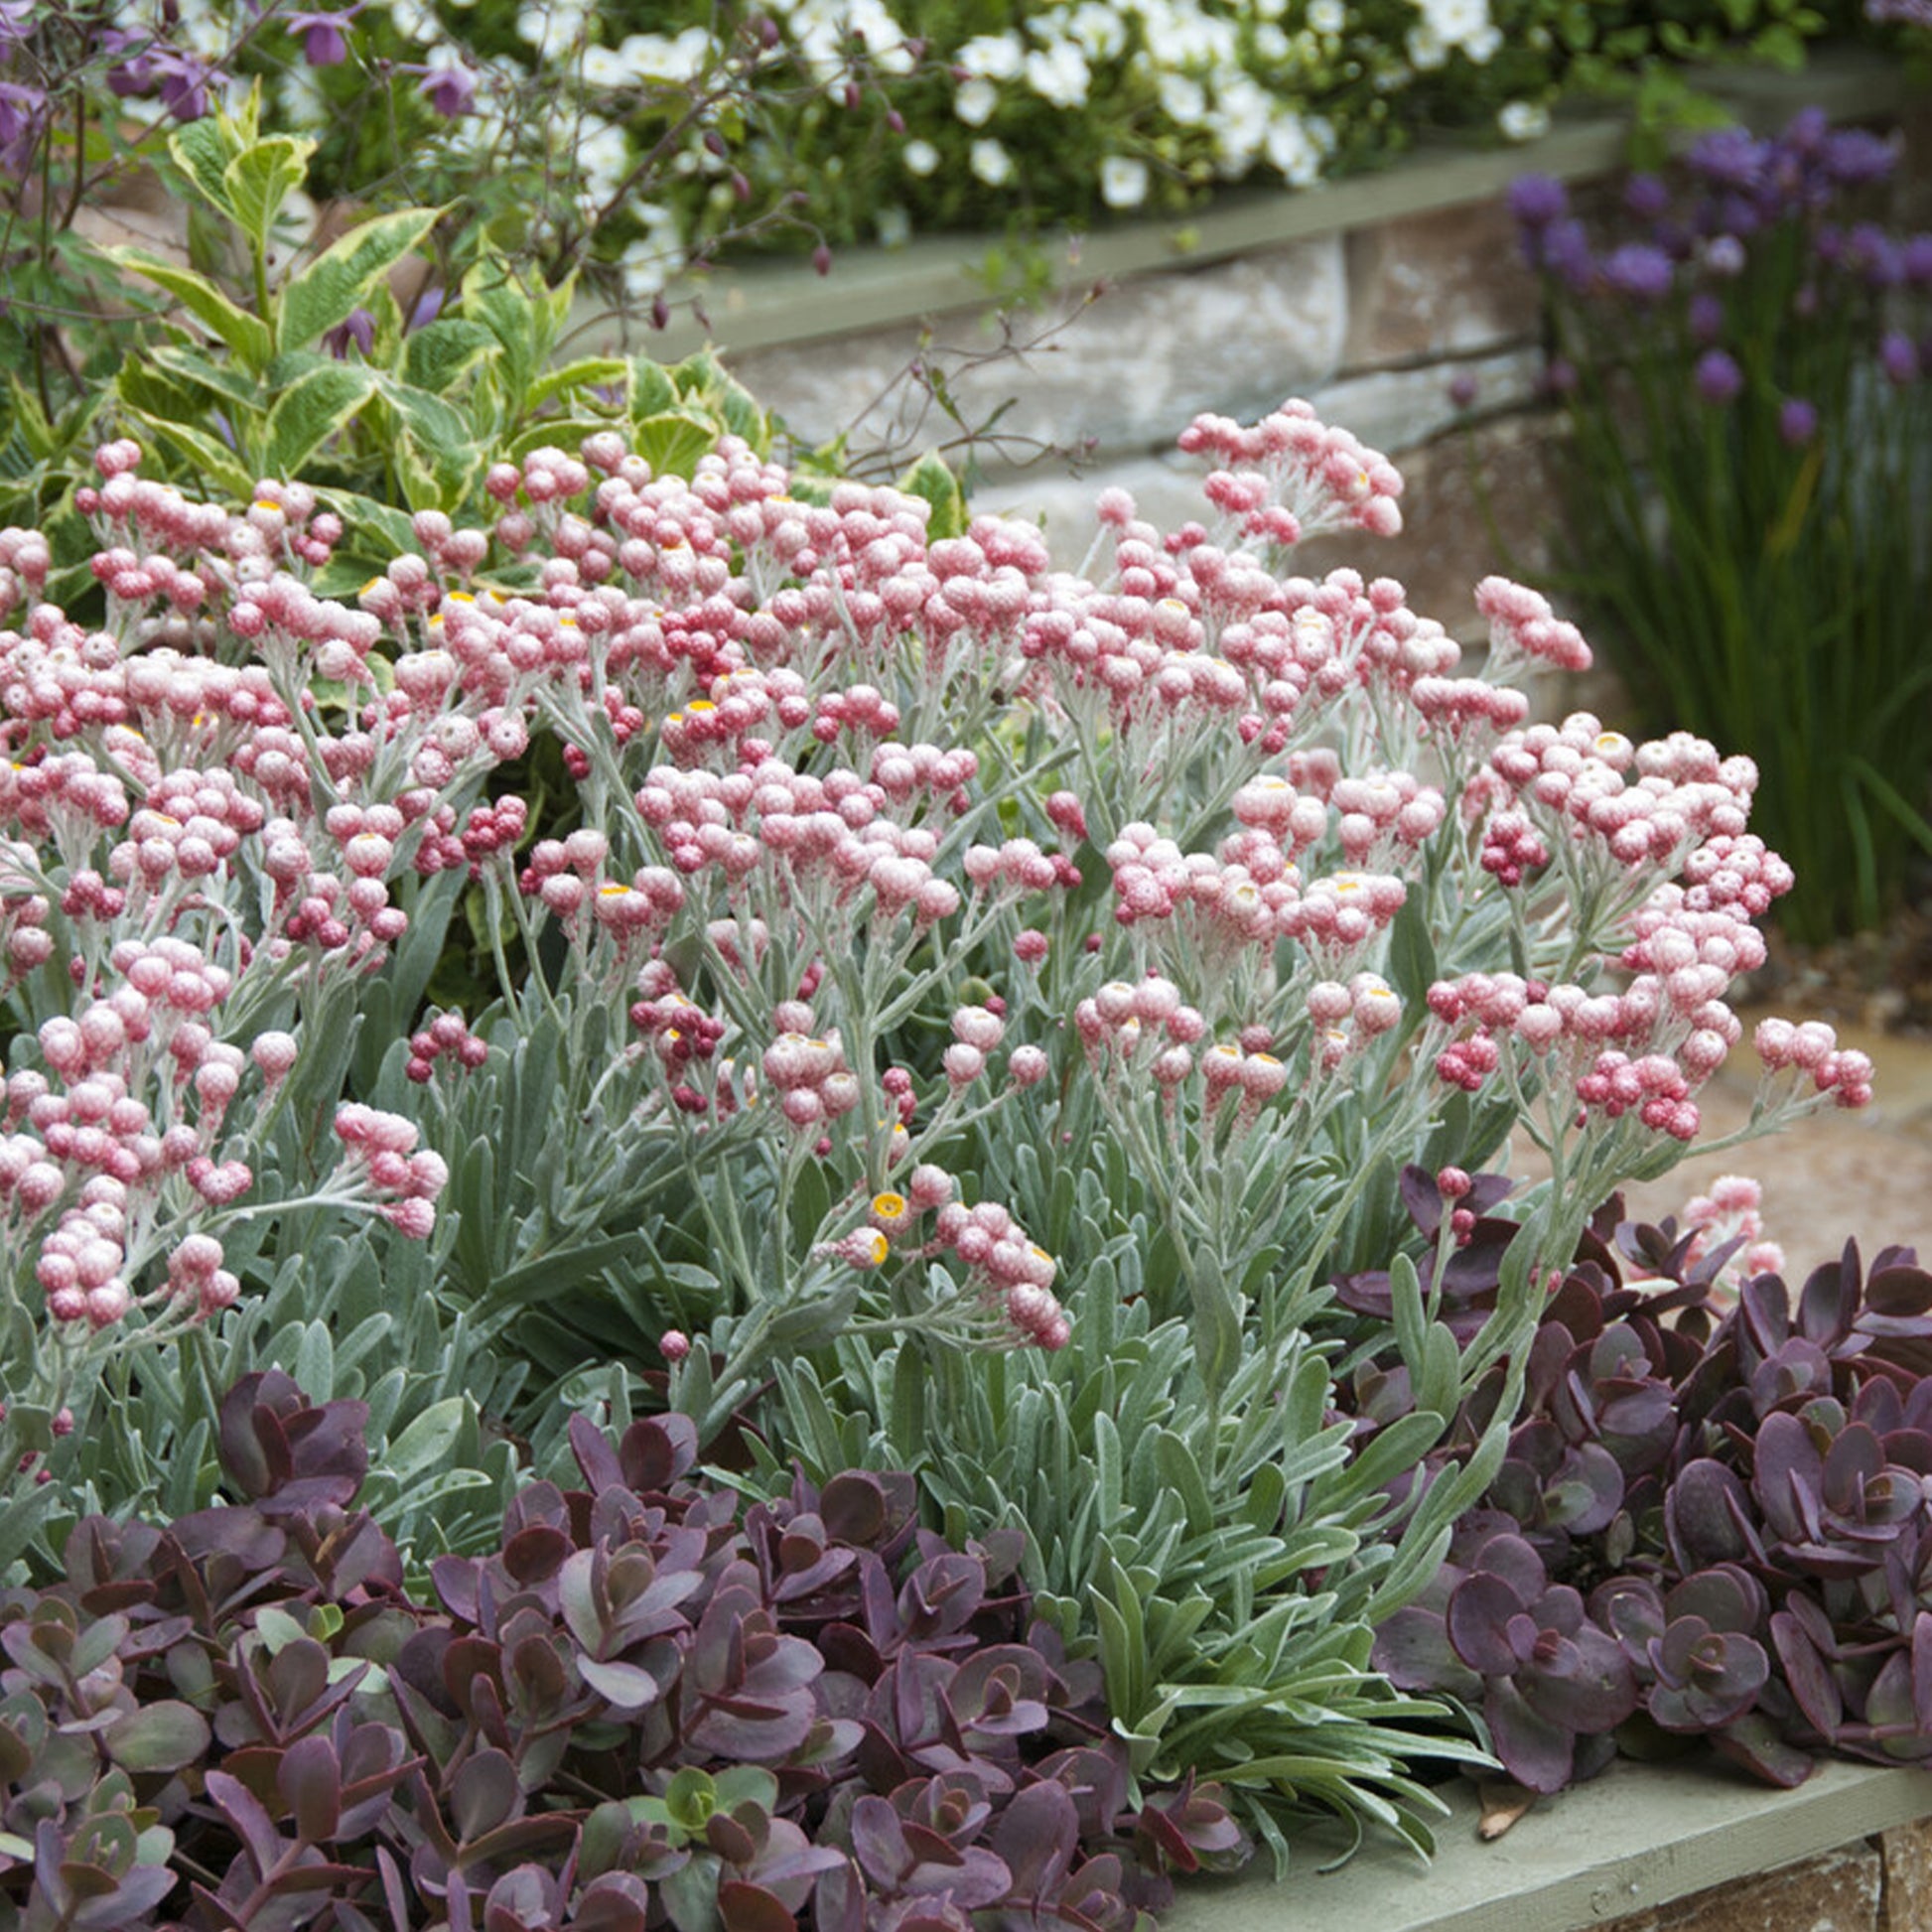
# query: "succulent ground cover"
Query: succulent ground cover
648,1705
1709,1521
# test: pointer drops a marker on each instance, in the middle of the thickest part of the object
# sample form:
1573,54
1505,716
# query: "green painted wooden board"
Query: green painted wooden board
766,303
1638,1836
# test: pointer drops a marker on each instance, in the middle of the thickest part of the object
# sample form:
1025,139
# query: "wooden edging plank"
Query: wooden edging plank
1639,1837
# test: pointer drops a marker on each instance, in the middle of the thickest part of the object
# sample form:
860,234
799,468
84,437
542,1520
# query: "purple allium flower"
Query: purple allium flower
1462,389
324,43
1566,249
1638,270
1797,421
1732,157
1898,357
1646,197
1855,157
1828,244
1725,255
1806,131
1706,317
1915,259
1871,253
1719,378
451,91
1913,13
1538,200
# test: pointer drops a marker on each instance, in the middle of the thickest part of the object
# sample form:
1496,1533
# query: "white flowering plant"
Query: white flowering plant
635,138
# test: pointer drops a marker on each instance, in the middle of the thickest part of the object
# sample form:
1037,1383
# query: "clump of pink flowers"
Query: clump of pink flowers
828,764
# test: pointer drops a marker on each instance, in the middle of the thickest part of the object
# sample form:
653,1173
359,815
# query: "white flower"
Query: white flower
919,157
602,157
1523,120
974,101
991,57
1096,29
1242,111
1181,98
1123,181
1293,150
1272,44
1428,49
1327,16
1059,73
604,66
992,164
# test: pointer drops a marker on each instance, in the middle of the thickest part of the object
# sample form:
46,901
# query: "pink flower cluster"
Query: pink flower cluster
1296,477
382,1157
1586,788
1004,1270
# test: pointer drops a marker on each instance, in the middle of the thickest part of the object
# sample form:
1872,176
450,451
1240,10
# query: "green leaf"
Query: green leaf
590,373
216,463
203,150
160,1736
436,357
230,385
335,283
307,414
247,335
931,479
427,1442
494,296
673,442
651,389
260,179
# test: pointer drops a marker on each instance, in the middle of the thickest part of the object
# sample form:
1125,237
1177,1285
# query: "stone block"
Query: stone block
1838,1893
1449,282
1907,1854
1394,410
1124,371
1167,491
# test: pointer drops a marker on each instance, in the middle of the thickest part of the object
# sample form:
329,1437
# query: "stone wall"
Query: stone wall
1881,1884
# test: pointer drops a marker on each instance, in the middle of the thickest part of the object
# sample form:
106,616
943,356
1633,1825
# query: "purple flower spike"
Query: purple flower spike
1646,197
1898,357
451,91
1719,378
1638,270
1538,200
1706,317
1797,422
1854,157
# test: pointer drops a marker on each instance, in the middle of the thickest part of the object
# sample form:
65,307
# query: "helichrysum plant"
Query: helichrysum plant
1742,361
956,974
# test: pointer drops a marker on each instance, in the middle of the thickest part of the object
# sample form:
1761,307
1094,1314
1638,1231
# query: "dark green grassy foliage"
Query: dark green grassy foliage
1742,359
